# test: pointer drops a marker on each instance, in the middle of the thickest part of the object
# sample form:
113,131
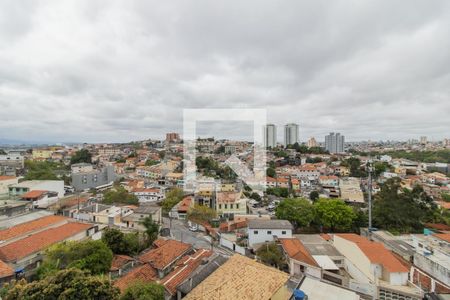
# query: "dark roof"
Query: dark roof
147,209
269,224
201,273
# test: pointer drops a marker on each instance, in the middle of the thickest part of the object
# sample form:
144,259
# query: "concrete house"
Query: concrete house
261,231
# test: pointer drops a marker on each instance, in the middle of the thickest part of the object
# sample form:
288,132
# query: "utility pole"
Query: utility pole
369,186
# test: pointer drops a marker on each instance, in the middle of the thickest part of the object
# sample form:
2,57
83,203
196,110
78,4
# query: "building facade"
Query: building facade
270,135
291,134
334,142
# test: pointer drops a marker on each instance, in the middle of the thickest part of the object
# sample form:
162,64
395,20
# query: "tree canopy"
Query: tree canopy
334,214
270,254
81,156
278,191
90,255
298,211
69,284
201,214
172,198
122,243
41,170
403,210
151,230
143,291
354,165
314,195
119,195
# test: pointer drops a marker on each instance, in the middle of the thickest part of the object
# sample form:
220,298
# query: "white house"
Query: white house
261,231
146,195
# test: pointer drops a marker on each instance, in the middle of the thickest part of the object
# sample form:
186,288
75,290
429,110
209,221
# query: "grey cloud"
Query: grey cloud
118,71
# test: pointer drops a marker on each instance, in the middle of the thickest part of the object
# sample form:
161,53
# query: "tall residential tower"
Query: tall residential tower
334,142
291,134
270,135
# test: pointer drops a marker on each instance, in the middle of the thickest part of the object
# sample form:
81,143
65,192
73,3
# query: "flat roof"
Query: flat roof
316,245
269,224
316,290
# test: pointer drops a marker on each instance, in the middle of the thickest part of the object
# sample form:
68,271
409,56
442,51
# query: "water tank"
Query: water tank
299,295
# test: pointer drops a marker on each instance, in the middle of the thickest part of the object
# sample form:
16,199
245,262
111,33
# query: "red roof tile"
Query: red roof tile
183,270
33,194
7,177
5,270
119,261
296,250
39,241
143,273
27,227
166,254
443,236
376,252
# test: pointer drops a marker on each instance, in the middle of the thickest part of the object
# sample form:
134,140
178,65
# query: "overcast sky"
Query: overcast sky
99,71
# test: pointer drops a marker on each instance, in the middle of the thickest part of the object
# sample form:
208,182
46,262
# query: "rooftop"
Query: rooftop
296,250
375,252
7,178
5,270
119,260
166,253
184,269
39,241
269,224
240,278
31,226
144,273
33,194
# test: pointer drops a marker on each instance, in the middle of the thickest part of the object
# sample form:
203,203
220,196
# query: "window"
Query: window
269,231
237,206
226,206
255,231
231,206
220,206
283,232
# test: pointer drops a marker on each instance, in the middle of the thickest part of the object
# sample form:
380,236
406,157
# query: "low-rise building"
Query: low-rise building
148,195
262,231
135,219
93,179
5,182
23,187
230,203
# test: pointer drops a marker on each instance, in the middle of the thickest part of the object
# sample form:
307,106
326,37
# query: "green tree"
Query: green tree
271,172
270,254
255,196
314,195
121,243
298,211
93,256
334,214
81,156
354,164
119,196
69,284
2,152
144,291
278,191
172,198
403,210
151,162
151,230
201,214
41,170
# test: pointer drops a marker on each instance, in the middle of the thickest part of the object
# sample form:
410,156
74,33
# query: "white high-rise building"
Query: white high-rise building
291,134
334,142
270,135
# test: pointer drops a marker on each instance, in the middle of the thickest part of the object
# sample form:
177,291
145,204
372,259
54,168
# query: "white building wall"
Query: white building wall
266,235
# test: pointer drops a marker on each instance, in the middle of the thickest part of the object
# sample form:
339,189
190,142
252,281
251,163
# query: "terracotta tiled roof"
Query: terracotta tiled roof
295,249
27,227
166,254
143,273
5,270
119,261
443,236
240,278
7,177
376,252
185,204
438,226
39,241
33,194
184,269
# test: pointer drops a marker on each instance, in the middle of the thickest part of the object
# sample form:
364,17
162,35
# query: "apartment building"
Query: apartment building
94,178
